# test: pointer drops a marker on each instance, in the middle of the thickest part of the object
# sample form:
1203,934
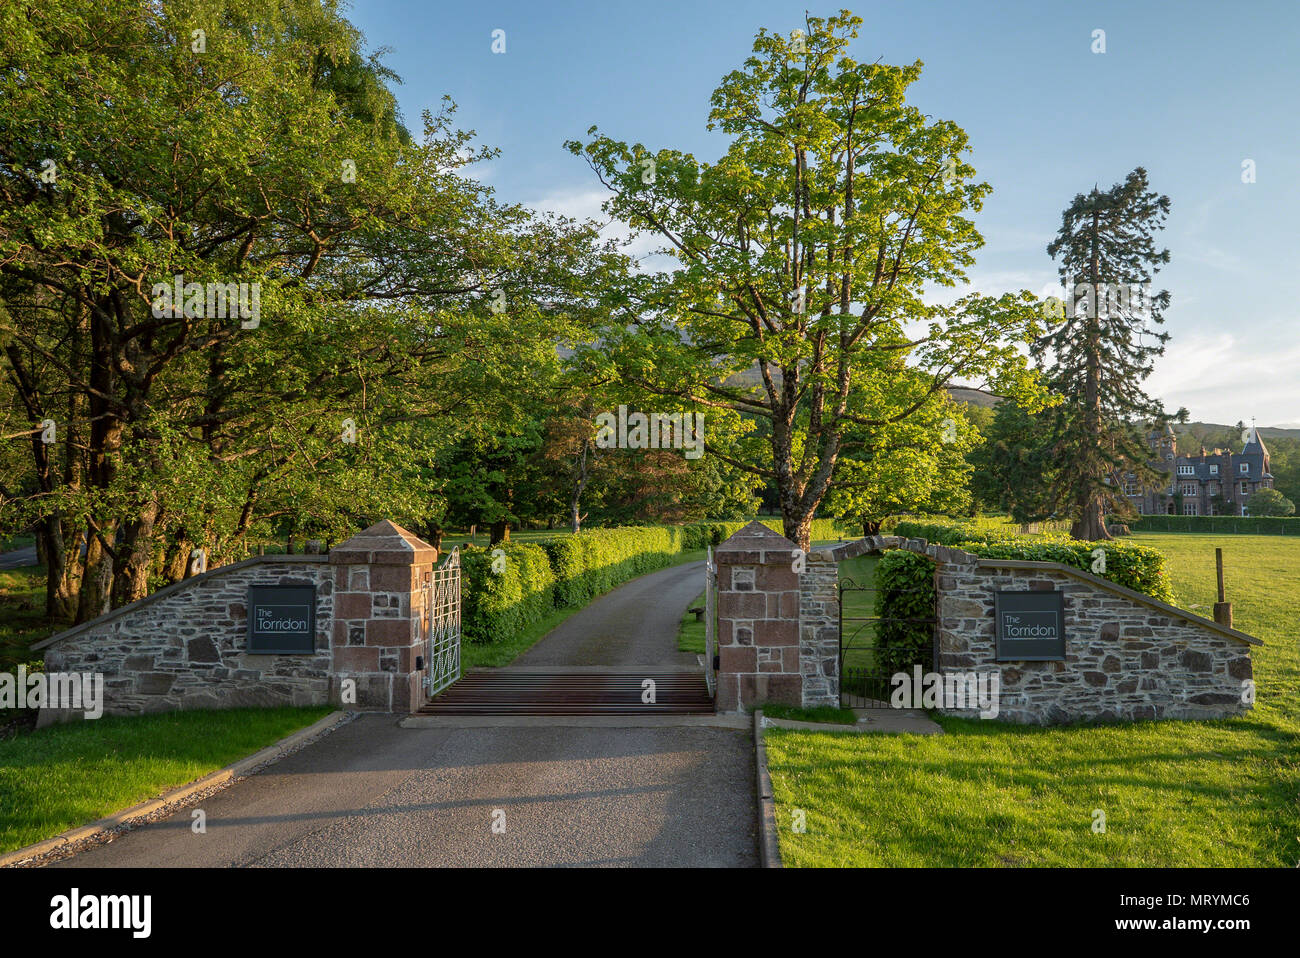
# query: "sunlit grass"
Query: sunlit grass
60,777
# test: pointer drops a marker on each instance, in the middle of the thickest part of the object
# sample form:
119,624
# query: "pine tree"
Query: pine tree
1098,357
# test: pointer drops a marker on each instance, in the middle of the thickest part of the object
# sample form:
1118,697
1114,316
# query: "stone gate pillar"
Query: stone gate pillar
379,595
758,620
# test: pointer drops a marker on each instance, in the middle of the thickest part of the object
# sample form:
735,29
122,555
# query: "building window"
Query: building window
1189,508
1244,468
1214,470
1245,488
1187,470
1131,489
1213,489
1189,488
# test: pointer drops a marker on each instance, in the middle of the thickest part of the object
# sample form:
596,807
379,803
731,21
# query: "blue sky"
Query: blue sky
1188,89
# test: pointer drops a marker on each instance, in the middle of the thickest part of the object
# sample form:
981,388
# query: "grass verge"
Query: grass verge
64,776
822,713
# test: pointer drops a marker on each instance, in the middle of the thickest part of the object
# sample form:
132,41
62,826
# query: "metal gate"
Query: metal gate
874,648
442,625
710,619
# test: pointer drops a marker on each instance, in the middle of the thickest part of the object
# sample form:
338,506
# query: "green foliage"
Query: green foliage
1014,467
803,256
1136,567
612,556
905,584
1270,502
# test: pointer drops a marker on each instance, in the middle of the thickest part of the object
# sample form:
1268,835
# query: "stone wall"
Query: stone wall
185,646
1128,656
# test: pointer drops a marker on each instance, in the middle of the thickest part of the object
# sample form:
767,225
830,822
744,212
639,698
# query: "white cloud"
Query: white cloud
585,204
1221,379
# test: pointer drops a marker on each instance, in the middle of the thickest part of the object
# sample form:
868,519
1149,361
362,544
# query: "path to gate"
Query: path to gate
596,661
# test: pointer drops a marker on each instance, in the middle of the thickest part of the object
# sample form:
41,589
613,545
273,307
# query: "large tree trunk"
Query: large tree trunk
579,483
500,532
797,527
96,582
1091,523
870,527
135,549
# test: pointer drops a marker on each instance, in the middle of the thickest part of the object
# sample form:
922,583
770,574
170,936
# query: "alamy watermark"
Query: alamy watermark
1096,299
53,690
947,690
656,430
241,301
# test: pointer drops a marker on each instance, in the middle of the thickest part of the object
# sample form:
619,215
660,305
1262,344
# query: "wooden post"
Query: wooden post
1222,608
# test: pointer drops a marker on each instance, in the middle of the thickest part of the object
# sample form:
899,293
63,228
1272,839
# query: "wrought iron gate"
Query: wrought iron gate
442,625
873,648
710,619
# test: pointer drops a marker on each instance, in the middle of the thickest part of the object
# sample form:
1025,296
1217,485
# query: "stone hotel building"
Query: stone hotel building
1214,483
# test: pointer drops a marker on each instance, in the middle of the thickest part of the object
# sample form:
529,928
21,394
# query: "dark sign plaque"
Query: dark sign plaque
282,619
1030,626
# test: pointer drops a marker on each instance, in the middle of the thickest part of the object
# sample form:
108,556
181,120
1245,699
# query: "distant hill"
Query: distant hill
1193,435
976,397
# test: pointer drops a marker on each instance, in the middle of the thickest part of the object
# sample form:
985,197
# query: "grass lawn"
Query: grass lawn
1174,794
67,775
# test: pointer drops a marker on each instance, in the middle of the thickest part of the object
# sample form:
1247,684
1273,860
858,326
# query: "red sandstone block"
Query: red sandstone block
391,578
790,659
776,632
788,607
356,658
776,578
352,605
340,630
728,694
739,557
399,557
785,689
742,605
738,658
349,557
389,632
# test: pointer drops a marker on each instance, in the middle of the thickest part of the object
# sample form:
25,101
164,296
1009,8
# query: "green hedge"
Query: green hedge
500,605
905,590
566,571
1137,567
1251,525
